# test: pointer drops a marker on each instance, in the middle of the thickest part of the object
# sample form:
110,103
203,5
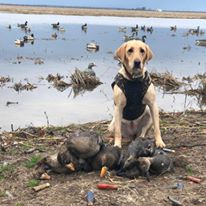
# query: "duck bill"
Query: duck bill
103,171
70,166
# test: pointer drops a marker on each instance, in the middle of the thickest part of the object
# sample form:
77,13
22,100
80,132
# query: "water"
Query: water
69,52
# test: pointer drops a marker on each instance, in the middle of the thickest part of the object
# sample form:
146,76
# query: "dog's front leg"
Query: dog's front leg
155,117
118,122
119,102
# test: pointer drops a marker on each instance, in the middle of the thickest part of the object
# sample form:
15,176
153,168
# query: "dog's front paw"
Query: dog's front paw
159,143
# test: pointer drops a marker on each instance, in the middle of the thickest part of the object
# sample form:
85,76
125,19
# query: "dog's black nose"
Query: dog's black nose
137,64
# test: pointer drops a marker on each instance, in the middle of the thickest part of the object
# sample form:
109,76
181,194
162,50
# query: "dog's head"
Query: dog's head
133,55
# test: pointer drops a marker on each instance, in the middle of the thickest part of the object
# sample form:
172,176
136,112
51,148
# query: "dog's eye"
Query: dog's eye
130,50
142,50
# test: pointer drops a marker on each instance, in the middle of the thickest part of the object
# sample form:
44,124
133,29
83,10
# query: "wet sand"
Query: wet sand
99,12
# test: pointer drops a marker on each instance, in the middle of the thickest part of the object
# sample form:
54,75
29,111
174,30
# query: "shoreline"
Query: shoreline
99,12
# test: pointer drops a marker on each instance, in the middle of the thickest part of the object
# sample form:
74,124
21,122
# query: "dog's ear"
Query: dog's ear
120,53
149,53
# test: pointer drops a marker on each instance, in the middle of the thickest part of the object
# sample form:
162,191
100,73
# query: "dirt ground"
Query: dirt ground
20,150
99,12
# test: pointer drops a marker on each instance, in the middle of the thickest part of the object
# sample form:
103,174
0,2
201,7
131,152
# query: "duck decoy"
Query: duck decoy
89,71
55,25
29,38
122,29
150,29
128,38
92,46
19,42
143,39
9,27
173,28
84,27
135,29
54,35
108,156
61,29
22,26
200,42
143,28
83,144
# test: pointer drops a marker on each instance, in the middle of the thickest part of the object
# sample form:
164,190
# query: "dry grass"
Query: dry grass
99,12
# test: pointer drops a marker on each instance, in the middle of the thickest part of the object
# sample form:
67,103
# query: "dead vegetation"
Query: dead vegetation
20,151
166,81
81,82
20,87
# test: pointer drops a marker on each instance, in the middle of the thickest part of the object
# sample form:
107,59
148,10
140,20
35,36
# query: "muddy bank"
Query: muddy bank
99,12
22,149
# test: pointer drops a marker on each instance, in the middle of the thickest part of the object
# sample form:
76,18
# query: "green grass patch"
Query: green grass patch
33,161
189,170
19,204
32,183
4,169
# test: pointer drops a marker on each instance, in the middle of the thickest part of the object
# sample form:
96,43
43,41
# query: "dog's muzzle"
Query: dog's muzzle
137,70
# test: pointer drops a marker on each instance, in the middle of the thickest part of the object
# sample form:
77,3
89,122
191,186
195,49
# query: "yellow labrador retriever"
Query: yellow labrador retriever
135,103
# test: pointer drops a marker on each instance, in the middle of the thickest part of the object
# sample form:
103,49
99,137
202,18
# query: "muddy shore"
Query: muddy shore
20,151
99,12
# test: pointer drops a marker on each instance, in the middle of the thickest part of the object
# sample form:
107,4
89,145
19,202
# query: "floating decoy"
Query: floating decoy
89,71
9,27
23,25
122,29
143,28
200,42
128,38
83,144
54,36
29,37
135,29
84,27
55,25
19,42
150,29
173,28
93,45
61,29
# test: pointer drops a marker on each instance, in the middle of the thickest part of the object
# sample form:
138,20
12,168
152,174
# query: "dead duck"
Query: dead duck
156,165
71,162
22,26
89,71
55,25
135,29
83,144
54,35
108,156
51,163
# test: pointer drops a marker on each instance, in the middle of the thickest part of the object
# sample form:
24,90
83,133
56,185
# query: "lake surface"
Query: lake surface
68,52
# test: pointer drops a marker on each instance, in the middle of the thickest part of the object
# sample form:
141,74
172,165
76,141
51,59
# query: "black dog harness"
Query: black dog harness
134,90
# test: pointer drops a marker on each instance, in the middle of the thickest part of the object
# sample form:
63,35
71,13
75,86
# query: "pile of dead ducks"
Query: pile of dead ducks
86,151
